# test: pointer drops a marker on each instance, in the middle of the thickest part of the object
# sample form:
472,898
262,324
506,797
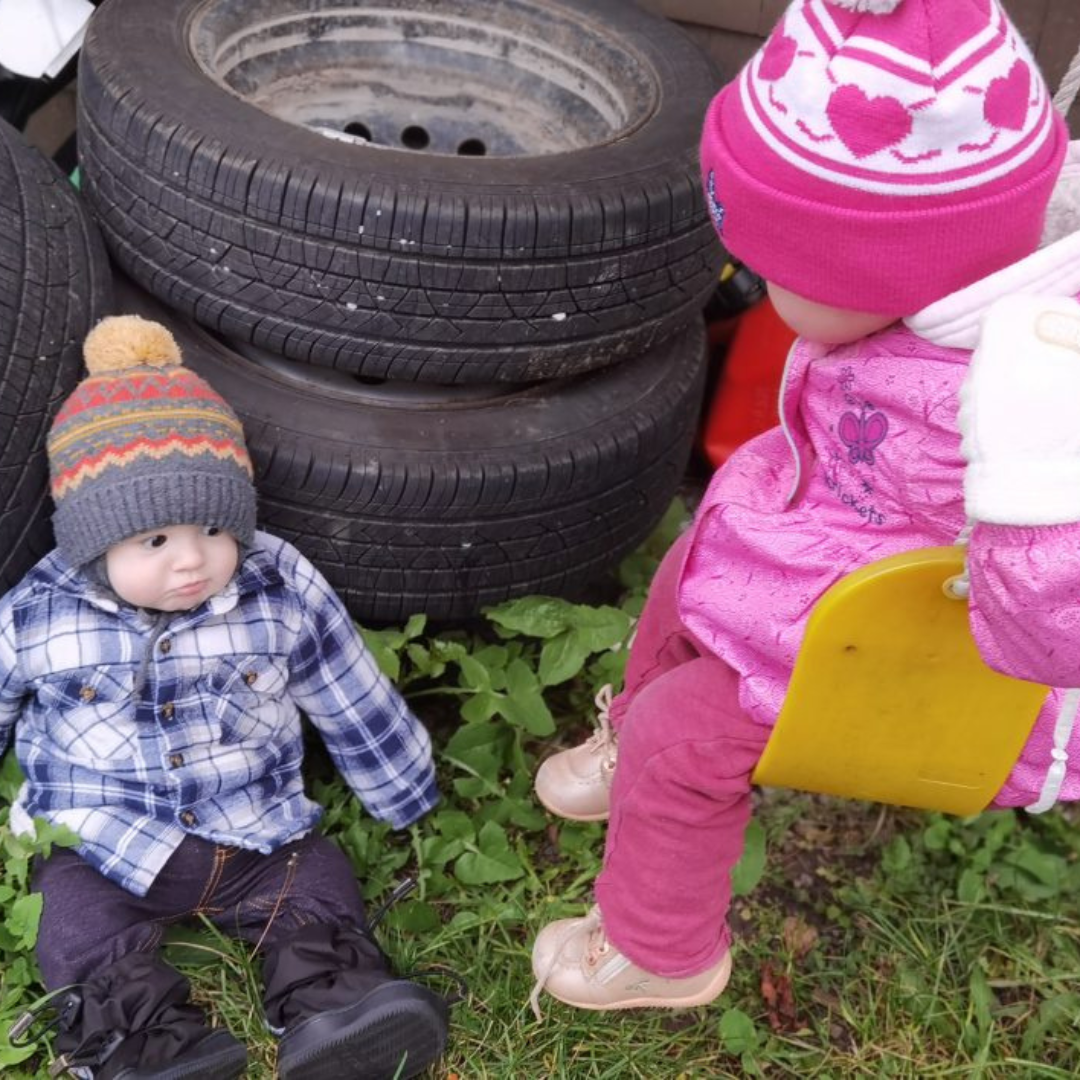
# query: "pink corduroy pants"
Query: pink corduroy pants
680,798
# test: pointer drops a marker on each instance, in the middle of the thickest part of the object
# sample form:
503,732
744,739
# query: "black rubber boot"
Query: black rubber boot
134,1022
216,1056
344,1014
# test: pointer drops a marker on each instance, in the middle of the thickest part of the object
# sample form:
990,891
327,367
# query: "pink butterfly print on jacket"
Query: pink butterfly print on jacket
863,434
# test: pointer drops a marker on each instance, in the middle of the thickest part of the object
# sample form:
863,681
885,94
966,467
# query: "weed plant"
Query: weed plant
870,941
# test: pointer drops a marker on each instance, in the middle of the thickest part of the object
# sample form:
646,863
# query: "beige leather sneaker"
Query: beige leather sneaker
575,783
573,961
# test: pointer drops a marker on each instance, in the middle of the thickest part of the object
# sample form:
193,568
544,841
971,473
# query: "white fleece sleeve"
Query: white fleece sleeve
1020,414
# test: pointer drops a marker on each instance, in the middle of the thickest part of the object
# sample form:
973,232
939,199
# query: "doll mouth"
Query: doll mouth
190,589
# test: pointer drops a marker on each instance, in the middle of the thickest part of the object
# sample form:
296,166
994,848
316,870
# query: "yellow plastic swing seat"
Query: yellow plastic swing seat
891,702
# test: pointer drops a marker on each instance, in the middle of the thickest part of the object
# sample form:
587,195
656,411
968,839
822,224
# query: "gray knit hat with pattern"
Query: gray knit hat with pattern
143,443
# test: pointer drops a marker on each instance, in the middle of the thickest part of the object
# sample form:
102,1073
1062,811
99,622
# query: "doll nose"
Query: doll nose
189,554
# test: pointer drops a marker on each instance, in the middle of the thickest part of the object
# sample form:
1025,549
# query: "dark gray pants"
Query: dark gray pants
89,922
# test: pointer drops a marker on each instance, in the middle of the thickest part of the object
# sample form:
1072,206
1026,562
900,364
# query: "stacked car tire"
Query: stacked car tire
446,258
54,284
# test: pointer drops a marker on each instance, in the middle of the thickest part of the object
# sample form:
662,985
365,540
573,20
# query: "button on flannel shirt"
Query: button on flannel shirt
134,729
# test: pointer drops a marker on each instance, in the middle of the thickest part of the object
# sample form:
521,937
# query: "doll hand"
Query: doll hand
1020,414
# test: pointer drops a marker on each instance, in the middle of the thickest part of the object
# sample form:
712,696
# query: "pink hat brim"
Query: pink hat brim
881,261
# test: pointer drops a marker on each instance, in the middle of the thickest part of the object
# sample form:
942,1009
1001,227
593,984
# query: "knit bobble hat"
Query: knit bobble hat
144,443
878,155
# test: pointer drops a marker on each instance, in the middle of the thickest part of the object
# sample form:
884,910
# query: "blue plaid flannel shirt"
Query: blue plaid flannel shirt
135,729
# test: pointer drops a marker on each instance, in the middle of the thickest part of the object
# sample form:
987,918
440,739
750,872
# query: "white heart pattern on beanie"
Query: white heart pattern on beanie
914,103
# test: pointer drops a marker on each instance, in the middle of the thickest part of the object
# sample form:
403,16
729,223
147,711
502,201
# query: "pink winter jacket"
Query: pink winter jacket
866,463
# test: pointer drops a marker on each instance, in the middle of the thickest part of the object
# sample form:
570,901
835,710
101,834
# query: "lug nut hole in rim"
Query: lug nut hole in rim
466,78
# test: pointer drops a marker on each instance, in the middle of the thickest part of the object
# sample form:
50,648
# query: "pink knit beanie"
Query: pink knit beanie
877,155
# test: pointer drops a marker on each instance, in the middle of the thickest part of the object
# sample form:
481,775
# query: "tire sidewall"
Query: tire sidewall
153,38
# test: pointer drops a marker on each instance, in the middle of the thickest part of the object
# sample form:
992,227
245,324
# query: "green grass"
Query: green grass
857,920
890,972
870,942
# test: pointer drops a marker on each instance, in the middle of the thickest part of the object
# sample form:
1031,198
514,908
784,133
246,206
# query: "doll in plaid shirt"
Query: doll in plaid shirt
153,669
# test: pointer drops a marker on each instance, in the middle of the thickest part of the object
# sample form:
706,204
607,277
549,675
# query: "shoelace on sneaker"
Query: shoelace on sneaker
604,740
590,926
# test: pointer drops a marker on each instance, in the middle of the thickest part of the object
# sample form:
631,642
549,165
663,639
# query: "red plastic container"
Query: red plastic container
745,402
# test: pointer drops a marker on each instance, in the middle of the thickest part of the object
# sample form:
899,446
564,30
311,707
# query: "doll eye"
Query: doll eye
211,530
158,540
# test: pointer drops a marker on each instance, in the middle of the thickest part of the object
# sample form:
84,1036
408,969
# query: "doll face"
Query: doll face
174,568
821,323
